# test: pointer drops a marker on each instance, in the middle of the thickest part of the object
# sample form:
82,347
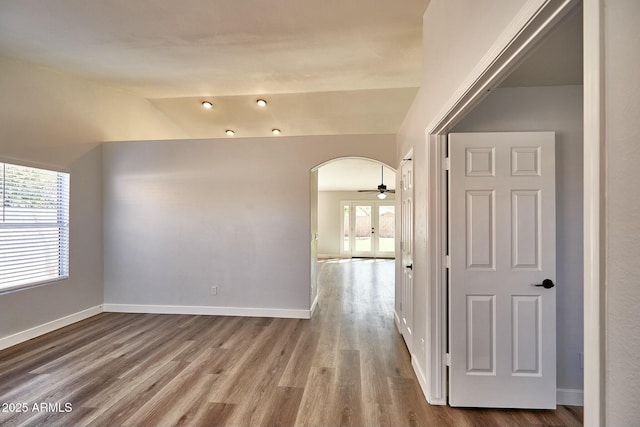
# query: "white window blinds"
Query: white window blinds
34,226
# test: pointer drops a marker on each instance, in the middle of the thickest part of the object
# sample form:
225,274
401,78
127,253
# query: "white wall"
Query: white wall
556,109
456,36
447,20
622,213
48,118
181,216
330,219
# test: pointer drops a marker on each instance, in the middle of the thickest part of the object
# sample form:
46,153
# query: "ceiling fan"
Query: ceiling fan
382,189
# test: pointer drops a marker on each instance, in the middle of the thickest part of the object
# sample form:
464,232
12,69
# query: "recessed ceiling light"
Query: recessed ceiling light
229,132
206,104
261,102
276,131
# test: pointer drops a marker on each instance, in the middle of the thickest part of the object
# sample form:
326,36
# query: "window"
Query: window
34,226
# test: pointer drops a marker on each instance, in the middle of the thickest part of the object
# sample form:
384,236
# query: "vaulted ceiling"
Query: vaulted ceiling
325,67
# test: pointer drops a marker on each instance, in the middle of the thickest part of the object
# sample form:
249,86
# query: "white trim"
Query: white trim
396,318
45,328
18,288
524,32
594,232
314,305
570,397
208,310
422,380
529,27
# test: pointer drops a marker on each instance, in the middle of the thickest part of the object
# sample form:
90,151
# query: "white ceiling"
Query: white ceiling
354,174
177,53
325,67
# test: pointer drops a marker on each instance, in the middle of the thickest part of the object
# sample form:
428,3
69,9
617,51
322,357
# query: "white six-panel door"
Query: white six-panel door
502,244
406,213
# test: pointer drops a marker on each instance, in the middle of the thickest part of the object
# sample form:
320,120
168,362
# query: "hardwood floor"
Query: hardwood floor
348,366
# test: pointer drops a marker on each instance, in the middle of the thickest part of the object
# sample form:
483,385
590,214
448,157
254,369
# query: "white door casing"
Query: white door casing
406,244
502,244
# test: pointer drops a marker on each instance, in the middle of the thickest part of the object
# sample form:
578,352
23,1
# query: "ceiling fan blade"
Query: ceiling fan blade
368,191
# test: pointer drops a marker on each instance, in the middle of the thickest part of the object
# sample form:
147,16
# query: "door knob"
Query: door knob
410,266
547,284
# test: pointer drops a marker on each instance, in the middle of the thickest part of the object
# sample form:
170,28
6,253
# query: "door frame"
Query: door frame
375,248
400,317
529,28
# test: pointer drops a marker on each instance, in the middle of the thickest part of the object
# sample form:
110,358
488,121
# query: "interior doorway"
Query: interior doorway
487,107
352,214
356,209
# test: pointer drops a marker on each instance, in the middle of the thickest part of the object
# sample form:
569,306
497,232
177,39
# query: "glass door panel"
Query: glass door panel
386,230
362,230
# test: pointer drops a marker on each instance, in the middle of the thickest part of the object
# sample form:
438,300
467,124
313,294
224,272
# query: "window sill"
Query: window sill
16,288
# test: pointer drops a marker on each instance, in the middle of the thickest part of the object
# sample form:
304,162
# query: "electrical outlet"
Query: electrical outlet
214,290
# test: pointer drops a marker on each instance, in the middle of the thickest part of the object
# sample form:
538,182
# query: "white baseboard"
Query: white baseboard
397,320
570,397
422,380
314,305
208,310
45,328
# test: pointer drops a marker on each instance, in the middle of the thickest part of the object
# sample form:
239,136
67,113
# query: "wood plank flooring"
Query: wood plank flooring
348,366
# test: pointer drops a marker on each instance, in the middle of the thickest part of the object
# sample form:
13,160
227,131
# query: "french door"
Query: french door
368,229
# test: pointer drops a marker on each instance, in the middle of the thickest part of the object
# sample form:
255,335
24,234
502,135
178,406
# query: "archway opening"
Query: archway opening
353,227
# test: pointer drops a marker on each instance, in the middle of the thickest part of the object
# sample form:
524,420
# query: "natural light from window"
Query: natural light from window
34,226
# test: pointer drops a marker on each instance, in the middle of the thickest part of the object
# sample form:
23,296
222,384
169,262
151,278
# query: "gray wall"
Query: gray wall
622,213
556,109
181,216
450,57
52,119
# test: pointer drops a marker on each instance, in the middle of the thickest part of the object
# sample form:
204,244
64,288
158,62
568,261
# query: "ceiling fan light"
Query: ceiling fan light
382,196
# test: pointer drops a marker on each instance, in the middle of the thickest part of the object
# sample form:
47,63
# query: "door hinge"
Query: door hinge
447,163
448,359
447,261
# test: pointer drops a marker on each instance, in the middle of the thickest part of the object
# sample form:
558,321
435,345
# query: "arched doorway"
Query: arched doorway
353,208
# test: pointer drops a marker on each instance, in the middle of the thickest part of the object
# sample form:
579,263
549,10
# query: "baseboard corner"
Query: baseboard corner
45,328
314,305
